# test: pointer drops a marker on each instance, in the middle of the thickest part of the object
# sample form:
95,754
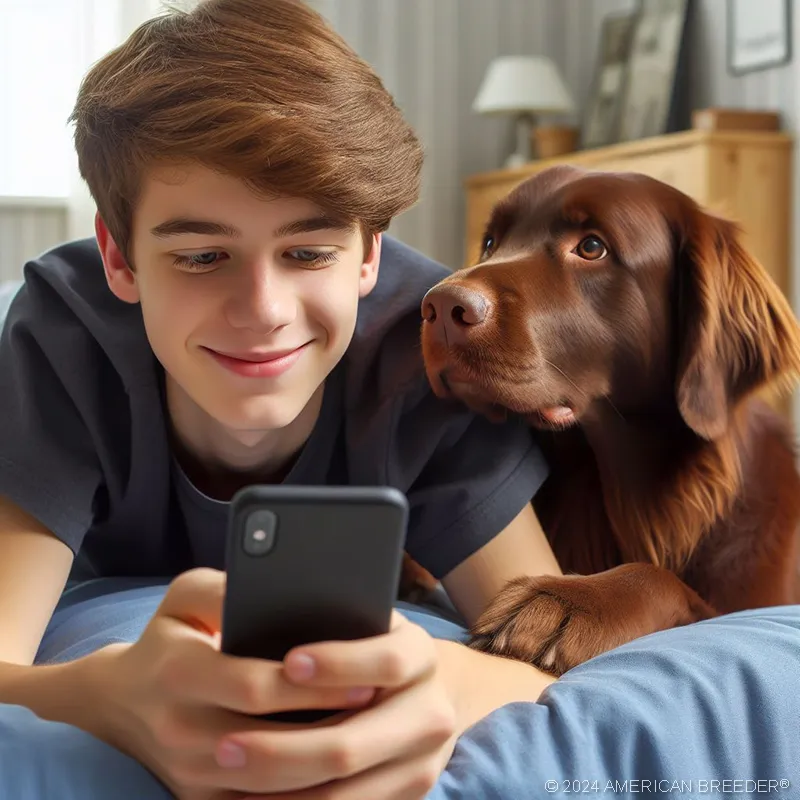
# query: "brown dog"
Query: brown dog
631,328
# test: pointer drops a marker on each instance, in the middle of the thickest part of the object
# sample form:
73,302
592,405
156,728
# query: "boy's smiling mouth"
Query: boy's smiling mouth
258,364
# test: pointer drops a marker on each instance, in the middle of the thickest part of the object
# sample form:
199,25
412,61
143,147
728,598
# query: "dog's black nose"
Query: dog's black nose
454,309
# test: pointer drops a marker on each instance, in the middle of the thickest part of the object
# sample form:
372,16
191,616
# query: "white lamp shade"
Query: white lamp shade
515,84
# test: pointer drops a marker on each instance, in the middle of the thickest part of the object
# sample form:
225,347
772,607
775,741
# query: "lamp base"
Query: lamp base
523,129
515,160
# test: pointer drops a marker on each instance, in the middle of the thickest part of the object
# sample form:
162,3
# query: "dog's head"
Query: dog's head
602,286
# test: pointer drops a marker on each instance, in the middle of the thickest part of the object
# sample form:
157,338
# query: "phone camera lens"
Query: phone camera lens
259,533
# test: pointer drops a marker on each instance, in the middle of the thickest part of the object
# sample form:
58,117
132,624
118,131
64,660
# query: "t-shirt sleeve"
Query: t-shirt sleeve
466,478
48,464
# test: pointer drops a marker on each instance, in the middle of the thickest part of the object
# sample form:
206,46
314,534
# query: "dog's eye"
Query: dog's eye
591,248
487,246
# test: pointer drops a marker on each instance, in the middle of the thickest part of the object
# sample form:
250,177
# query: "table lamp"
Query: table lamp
527,86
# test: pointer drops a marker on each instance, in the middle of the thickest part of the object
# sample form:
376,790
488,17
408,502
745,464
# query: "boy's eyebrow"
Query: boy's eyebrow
179,225
182,225
318,223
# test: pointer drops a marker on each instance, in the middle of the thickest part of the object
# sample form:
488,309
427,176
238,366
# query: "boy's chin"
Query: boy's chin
256,417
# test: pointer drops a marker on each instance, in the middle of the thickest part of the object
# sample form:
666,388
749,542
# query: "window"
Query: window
45,48
39,73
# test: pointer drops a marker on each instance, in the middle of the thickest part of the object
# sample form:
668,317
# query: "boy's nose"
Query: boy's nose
263,304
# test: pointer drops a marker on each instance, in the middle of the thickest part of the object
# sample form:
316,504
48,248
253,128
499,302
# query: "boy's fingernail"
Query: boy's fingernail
300,666
230,755
362,694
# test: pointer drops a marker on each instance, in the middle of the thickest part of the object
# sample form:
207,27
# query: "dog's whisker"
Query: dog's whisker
558,369
611,403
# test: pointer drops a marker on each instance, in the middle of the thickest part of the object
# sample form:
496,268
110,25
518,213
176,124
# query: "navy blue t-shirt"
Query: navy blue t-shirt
85,445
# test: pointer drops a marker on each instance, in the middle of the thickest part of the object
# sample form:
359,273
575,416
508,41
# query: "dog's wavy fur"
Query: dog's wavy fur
738,335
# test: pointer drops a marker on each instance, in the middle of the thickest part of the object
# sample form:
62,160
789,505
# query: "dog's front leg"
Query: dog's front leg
556,623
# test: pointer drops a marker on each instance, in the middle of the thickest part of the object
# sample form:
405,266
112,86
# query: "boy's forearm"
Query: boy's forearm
73,692
482,683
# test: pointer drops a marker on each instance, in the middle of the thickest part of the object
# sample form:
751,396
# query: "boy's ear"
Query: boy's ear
119,276
369,269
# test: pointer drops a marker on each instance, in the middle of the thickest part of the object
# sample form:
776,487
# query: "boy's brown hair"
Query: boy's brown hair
262,90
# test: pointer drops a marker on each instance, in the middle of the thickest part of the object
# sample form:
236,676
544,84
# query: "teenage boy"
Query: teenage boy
241,318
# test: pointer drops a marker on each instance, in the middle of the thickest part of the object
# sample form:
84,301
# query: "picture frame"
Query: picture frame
600,125
759,35
654,93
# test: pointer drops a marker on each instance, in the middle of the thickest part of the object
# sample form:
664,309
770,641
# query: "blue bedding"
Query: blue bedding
712,709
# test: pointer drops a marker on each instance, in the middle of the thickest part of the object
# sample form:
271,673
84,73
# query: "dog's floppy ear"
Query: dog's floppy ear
736,330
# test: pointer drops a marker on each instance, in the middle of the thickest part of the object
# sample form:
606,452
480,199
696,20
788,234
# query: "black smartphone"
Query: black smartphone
308,564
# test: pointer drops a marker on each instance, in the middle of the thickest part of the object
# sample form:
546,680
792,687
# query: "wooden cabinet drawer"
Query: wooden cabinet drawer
682,168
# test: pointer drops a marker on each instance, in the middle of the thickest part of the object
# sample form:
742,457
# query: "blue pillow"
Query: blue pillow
711,709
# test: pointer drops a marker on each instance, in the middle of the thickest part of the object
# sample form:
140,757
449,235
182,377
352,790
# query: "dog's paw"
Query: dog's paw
554,623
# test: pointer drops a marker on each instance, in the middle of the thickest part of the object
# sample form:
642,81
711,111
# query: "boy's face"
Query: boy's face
248,303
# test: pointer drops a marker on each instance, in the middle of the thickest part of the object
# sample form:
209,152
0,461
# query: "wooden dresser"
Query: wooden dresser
745,176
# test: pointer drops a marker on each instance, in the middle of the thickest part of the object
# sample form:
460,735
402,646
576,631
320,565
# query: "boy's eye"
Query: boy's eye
313,258
198,261
204,258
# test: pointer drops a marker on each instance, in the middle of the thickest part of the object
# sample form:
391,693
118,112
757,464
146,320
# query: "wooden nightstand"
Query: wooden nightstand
745,176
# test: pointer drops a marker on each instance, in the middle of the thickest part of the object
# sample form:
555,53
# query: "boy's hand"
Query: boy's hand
394,749
181,707
429,692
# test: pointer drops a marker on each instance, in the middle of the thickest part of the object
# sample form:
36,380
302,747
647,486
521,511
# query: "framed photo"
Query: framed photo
601,121
759,34
651,101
